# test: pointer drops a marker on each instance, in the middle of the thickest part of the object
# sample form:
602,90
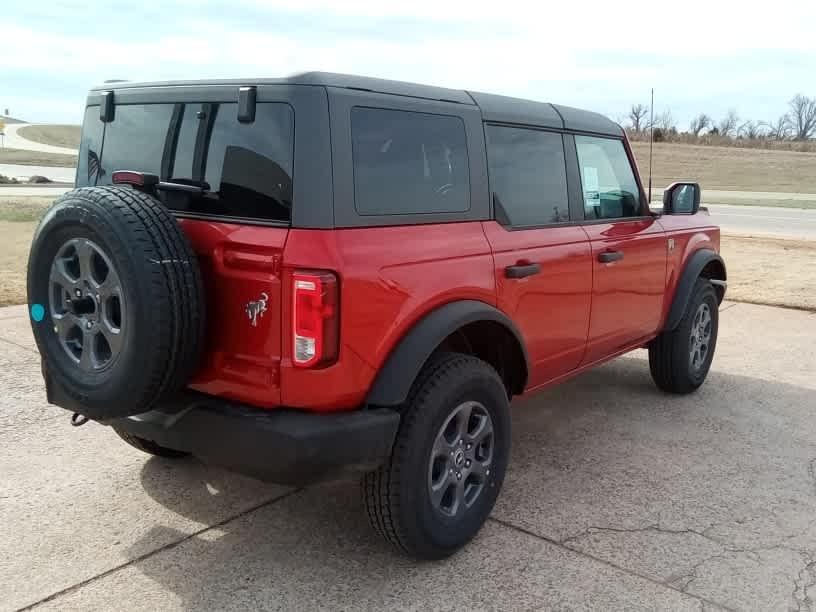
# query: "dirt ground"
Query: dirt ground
770,271
55,135
728,168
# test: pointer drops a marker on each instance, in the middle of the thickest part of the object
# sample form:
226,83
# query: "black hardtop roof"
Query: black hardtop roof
494,107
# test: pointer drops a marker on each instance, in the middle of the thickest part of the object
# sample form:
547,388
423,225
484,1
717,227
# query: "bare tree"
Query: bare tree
803,116
779,129
699,123
751,130
728,124
665,121
637,116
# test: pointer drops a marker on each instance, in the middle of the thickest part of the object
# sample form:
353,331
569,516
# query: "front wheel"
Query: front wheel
448,461
679,360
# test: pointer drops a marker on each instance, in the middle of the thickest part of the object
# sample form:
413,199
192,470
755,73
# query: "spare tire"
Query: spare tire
116,300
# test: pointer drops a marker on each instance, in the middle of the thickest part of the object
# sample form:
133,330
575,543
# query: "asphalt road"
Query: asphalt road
13,140
23,171
753,220
617,497
765,221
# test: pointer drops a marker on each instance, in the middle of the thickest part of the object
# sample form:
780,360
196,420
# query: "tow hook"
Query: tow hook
79,419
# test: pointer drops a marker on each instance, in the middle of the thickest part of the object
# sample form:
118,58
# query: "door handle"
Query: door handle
522,270
610,256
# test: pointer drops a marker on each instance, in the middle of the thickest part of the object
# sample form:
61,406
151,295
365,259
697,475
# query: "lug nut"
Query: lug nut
487,473
468,446
458,475
78,293
467,463
461,441
451,471
88,325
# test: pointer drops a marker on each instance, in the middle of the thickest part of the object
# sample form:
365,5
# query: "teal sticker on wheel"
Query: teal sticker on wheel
37,312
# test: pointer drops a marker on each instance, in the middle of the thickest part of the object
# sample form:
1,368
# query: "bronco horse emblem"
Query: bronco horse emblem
256,309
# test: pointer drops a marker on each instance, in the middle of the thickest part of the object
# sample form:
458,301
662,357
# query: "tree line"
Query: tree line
797,124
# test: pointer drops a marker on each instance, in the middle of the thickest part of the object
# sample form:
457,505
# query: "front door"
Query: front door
542,258
628,249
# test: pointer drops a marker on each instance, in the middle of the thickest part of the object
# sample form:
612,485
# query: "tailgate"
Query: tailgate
241,266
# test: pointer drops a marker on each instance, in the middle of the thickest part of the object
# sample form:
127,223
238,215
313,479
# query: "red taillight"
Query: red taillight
315,318
131,177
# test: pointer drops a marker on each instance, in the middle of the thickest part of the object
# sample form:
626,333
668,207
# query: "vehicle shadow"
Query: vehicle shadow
605,449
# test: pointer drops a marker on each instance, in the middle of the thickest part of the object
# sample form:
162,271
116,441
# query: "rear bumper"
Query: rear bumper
283,446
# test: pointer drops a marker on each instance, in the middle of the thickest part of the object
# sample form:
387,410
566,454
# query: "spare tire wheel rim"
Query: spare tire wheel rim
461,458
87,305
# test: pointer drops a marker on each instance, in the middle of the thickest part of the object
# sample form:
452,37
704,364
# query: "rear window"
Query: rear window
246,168
134,140
409,162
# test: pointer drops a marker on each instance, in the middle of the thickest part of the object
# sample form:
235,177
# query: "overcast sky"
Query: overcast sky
698,55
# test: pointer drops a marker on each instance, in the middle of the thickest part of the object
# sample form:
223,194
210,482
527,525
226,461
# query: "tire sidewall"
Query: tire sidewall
447,534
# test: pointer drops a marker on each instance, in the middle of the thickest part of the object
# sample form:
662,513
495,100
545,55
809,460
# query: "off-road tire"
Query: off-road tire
396,496
150,447
669,360
163,324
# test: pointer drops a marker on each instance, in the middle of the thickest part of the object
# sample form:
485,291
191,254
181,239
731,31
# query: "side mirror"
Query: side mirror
681,199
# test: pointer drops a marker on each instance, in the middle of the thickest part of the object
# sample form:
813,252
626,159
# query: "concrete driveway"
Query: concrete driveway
618,497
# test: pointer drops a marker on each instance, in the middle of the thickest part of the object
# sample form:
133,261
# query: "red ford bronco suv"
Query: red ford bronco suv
303,278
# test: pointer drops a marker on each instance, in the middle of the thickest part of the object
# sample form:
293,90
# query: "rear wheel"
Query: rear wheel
448,461
150,447
679,360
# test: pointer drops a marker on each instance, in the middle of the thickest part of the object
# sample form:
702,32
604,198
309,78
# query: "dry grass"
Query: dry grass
770,271
54,135
36,158
23,208
18,220
15,239
728,168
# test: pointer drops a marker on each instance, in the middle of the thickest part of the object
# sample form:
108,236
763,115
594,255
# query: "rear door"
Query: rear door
240,224
542,258
628,248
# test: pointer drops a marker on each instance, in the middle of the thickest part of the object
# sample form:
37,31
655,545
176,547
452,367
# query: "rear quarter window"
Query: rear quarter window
409,162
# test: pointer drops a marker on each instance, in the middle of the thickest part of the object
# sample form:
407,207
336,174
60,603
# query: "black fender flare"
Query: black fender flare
393,382
695,265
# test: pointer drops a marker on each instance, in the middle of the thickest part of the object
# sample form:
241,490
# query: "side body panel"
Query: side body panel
551,308
628,294
390,278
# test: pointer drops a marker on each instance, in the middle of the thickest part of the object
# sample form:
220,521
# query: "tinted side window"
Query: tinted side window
408,162
610,188
248,166
528,175
90,148
134,140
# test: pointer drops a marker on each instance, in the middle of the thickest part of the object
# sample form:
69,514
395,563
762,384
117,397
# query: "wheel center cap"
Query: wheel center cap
459,458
